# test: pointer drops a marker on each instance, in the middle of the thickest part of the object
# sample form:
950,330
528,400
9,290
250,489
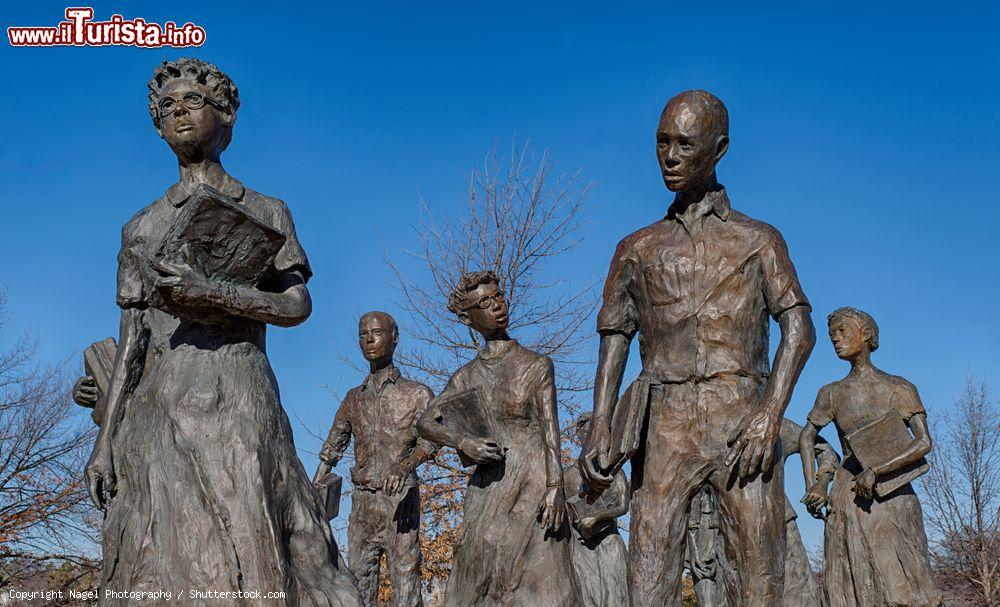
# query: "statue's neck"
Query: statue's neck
688,198
208,171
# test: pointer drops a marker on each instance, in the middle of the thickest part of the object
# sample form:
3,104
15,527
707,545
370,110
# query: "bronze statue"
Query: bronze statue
381,414
499,412
698,286
706,559
598,553
194,462
875,548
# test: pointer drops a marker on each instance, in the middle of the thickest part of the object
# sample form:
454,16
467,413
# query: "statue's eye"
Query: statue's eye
194,100
167,105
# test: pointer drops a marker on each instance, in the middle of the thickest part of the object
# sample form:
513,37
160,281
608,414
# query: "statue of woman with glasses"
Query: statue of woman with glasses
194,464
515,546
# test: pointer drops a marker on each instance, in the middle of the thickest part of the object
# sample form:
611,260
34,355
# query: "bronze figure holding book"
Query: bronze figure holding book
875,548
515,545
194,463
381,416
699,287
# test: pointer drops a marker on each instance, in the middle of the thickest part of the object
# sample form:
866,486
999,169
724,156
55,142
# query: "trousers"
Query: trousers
685,446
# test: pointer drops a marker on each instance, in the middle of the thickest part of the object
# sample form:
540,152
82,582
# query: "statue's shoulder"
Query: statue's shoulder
412,386
756,229
535,360
897,382
141,223
269,208
641,236
353,394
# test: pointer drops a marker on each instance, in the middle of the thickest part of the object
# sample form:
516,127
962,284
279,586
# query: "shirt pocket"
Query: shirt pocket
661,282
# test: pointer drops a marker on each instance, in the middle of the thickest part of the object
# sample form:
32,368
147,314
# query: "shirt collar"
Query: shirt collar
378,379
716,202
178,193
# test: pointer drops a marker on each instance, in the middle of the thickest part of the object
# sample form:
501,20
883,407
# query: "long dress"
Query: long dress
211,497
504,559
599,560
875,551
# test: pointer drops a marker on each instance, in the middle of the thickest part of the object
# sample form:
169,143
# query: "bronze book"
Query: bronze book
627,423
880,441
99,362
466,414
218,236
329,489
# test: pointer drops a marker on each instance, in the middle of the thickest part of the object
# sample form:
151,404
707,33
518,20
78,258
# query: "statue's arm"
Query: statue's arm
918,447
612,357
289,306
807,451
753,440
827,460
424,450
336,442
552,508
798,336
133,338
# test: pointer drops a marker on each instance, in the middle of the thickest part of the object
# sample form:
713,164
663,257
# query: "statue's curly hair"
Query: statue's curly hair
864,320
221,86
468,283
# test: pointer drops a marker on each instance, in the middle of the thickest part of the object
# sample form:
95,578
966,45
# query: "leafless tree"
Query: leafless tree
46,524
517,218
962,499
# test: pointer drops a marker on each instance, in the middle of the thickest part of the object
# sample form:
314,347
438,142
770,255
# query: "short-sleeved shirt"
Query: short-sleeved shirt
699,288
853,403
142,235
381,414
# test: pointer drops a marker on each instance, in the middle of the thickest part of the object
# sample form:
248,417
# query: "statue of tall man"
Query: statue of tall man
382,414
698,286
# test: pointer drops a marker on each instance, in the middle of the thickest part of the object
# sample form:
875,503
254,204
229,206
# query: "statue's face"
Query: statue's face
848,338
687,146
192,132
486,309
376,338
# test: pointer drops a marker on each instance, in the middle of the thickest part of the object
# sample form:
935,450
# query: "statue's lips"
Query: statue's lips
183,128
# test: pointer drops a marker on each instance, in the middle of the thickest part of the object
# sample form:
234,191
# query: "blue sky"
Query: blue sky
866,134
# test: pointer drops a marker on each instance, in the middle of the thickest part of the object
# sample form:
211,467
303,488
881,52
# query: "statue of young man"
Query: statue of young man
698,286
381,414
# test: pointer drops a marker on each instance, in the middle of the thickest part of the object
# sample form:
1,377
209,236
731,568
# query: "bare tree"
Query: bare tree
517,218
44,442
962,499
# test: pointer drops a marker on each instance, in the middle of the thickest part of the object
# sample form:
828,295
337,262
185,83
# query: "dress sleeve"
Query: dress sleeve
619,312
132,291
823,410
907,401
291,256
782,290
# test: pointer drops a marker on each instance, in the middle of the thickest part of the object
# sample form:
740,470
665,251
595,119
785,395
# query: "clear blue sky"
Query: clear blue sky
866,132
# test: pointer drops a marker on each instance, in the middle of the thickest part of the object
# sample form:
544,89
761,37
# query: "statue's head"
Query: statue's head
853,332
692,137
582,427
479,303
193,106
378,335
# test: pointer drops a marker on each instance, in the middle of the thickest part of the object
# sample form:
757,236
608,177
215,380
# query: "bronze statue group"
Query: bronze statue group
195,468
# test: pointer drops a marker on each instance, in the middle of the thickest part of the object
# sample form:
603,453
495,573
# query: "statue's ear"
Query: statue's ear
463,317
721,146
